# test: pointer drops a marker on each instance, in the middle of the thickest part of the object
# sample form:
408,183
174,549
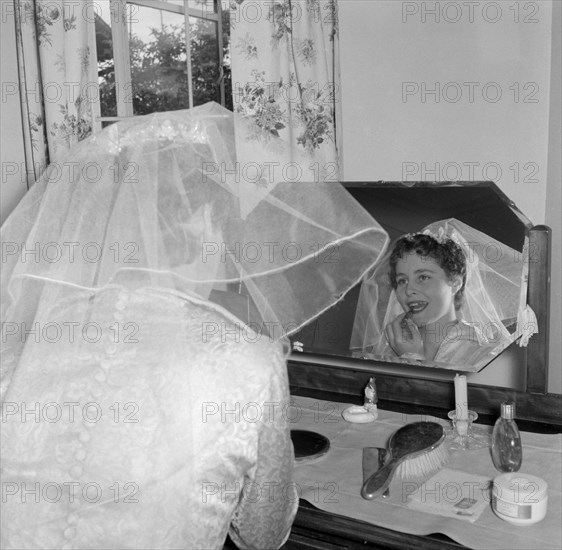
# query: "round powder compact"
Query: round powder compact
360,415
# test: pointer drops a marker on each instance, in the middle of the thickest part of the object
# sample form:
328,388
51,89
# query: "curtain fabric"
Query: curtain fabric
285,79
57,77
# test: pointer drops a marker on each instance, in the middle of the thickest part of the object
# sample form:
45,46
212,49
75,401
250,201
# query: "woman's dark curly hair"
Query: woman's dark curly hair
448,254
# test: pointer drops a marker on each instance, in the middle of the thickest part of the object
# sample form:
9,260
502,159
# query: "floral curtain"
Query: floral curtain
58,77
285,79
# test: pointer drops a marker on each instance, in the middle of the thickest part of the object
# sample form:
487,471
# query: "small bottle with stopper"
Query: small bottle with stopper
371,397
507,452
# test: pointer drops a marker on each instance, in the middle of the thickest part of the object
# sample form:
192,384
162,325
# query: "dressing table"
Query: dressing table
325,371
365,524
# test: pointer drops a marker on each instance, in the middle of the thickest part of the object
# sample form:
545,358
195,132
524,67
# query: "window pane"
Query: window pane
208,6
158,55
226,62
158,61
106,65
204,61
205,6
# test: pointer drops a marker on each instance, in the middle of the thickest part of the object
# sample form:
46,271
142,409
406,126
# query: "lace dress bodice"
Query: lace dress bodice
160,426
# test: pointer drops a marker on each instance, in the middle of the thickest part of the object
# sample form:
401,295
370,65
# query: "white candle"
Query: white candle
461,397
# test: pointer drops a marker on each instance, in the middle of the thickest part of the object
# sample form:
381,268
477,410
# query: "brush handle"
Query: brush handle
378,483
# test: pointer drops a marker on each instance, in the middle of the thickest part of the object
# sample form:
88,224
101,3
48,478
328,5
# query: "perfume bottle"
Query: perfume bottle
507,452
371,398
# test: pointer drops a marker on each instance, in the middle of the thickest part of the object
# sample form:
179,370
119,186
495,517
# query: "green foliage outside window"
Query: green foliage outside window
159,79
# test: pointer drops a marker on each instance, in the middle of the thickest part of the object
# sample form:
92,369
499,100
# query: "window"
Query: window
161,55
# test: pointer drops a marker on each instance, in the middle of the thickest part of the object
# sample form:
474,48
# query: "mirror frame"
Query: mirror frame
344,378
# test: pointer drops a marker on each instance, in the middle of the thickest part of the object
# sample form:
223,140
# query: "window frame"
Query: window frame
121,56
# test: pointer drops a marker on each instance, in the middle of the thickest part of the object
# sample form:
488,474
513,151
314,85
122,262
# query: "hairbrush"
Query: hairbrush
415,450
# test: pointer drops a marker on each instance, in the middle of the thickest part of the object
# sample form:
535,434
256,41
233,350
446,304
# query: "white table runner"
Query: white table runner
333,481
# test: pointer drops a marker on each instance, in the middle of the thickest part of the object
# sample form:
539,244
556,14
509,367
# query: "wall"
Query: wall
12,185
554,201
390,117
459,93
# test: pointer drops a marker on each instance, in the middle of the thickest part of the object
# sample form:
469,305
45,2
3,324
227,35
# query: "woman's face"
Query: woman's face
423,287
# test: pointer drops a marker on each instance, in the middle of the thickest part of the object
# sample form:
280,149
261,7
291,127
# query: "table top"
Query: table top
333,481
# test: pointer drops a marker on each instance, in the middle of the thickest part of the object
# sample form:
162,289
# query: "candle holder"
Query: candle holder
464,436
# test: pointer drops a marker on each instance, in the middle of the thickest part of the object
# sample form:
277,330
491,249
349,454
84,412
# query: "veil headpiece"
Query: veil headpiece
160,201
494,293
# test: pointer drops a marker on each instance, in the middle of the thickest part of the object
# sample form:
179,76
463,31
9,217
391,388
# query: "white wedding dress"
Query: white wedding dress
146,437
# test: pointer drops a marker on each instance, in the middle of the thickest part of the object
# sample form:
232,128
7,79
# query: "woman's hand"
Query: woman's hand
404,337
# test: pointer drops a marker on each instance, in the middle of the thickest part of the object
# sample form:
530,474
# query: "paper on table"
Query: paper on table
452,493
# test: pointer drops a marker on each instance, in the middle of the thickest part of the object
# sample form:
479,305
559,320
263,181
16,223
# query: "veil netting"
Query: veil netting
160,201
494,295
129,269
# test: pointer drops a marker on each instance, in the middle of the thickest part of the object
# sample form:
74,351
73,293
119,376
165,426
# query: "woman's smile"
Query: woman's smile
416,307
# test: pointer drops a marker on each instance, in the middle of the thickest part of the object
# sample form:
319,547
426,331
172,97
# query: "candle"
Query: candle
461,397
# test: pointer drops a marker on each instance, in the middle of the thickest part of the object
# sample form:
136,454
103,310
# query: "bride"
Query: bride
144,382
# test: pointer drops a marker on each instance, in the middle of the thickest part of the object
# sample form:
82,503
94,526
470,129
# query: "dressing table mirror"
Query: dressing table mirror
323,362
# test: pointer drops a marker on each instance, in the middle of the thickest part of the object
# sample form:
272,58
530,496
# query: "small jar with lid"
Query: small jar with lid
520,499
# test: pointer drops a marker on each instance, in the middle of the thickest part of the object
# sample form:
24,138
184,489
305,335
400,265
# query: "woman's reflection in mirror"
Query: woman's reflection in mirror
445,294
428,275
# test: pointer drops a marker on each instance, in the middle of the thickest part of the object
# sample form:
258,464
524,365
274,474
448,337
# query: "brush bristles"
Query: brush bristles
423,464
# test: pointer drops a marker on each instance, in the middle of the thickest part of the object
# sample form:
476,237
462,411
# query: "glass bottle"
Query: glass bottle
371,398
507,452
